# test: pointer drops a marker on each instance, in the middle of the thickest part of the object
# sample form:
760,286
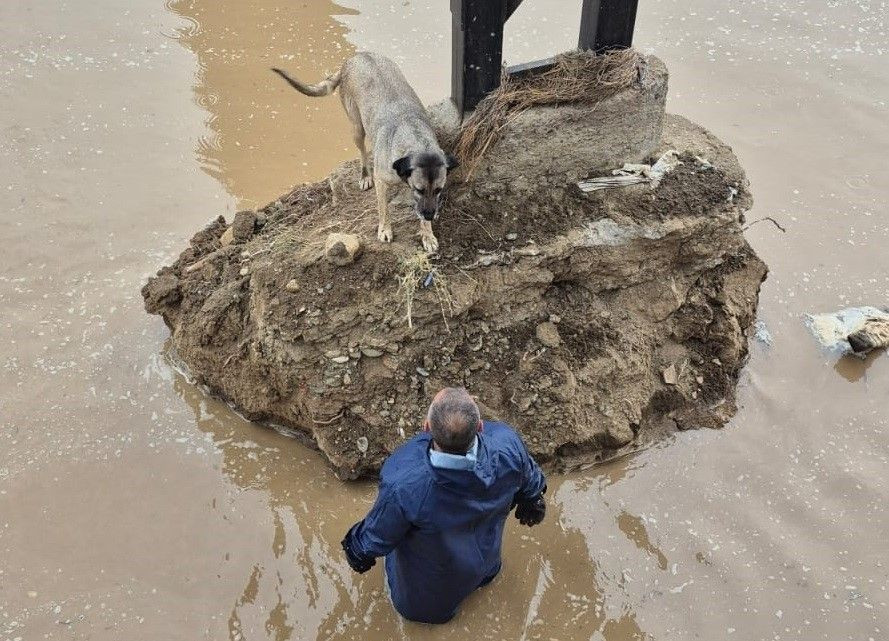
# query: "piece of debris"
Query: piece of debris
874,334
548,334
634,174
762,334
292,285
227,236
837,331
342,249
670,375
361,443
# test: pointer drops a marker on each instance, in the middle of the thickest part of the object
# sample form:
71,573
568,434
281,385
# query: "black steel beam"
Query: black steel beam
477,49
511,6
607,24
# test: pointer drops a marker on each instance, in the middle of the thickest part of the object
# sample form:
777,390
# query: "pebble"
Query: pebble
548,334
292,285
670,375
340,359
347,380
511,236
361,443
370,352
422,372
245,271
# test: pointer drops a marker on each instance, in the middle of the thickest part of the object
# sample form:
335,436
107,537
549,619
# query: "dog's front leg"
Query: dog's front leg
430,242
384,228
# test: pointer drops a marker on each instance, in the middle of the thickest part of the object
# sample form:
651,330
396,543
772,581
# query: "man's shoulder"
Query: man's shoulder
407,465
500,432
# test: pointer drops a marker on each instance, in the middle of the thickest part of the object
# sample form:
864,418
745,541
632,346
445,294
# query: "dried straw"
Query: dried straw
576,77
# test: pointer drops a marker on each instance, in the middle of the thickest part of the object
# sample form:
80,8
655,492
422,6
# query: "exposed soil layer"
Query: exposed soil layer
593,323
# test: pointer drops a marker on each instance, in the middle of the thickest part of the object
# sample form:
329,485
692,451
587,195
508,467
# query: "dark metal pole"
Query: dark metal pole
607,24
477,51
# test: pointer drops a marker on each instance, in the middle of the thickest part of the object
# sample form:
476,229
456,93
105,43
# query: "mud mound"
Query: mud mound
594,323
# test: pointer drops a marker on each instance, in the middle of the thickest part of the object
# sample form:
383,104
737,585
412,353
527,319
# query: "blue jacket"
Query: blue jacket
441,529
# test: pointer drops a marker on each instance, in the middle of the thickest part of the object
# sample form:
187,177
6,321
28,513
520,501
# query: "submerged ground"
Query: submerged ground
132,506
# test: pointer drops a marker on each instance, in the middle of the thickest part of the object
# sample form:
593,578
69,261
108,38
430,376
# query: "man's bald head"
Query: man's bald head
453,419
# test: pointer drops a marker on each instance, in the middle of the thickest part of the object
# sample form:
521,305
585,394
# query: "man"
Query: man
443,501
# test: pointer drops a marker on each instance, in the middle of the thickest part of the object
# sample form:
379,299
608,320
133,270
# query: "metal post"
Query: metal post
607,24
477,50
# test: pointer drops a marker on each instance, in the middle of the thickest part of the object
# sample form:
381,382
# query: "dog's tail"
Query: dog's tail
323,88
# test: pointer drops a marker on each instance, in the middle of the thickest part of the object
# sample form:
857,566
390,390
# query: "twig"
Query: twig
335,418
768,218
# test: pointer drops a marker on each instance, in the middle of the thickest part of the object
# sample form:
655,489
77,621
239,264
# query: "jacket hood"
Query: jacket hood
481,476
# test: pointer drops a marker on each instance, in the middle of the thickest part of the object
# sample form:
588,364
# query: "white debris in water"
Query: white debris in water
831,330
762,334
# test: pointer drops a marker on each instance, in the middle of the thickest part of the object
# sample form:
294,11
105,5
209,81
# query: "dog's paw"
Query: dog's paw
384,234
365,183
430,243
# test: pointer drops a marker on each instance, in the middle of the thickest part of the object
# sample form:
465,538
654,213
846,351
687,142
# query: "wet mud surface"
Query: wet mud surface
134,506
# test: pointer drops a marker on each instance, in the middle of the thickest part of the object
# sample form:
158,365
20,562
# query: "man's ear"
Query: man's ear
402,167
481,426
426,426
451,162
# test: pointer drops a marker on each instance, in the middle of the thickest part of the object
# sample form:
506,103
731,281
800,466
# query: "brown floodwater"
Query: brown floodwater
134,506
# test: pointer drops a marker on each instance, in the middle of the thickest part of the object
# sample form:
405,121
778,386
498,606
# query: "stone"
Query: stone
243,226
548,334
227,237
342,249
292,285
670,375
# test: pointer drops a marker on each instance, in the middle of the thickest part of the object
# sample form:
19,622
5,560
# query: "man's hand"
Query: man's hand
357,562
532,511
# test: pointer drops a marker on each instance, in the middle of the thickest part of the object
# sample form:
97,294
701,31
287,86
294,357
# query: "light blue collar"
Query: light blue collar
455,461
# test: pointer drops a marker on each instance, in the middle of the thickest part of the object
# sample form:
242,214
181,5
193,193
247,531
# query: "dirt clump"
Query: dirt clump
560,311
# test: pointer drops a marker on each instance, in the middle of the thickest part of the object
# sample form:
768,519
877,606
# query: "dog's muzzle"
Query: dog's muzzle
429,216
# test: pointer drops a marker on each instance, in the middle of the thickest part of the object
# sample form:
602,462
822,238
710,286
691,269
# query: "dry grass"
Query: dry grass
577,77
418,272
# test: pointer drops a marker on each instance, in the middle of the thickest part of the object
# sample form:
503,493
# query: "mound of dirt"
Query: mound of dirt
593,323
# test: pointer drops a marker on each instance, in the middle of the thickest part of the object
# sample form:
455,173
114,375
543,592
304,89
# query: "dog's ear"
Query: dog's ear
402,167
451,162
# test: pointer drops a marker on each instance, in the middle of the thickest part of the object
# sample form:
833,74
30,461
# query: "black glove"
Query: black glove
357,562
532,511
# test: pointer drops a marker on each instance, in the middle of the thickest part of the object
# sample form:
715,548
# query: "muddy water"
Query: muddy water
133,506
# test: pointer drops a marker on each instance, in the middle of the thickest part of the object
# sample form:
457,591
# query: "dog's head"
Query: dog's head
426,175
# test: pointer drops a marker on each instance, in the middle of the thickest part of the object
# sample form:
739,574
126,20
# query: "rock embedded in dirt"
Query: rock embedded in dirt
639,279
342,249
548,334
243,226
228,237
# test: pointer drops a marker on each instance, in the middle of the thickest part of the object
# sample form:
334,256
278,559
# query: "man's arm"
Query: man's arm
530,505
378,534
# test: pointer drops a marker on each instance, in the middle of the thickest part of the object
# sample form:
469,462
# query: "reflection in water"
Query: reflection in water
853,368
263,136
303,589
634,528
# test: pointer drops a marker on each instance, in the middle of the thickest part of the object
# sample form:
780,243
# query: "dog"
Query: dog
384,108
